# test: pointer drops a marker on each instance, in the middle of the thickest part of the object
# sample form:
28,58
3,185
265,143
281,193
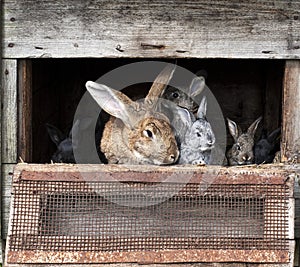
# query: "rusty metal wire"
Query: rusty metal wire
76,216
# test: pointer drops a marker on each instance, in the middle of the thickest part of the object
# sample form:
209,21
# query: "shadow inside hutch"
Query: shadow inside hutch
244,89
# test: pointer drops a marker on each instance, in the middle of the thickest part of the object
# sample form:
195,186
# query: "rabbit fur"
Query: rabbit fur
241,153
64,148
136,133
266,147
183,97
195,135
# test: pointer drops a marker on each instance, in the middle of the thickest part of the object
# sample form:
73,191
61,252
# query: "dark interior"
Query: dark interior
245,90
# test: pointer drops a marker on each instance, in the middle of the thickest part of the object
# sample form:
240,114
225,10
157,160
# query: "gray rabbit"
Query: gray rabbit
241,153
183,97
195,135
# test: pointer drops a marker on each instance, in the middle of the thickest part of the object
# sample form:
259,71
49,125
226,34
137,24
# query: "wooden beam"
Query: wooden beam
25,110
180,174
9,111
1,92
6,183
160,29
290,148
163,265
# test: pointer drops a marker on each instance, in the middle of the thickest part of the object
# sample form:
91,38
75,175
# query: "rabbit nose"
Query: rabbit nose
172,158
210,140
246,158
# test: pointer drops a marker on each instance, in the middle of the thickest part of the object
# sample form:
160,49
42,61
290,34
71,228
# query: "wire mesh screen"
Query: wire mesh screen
100,216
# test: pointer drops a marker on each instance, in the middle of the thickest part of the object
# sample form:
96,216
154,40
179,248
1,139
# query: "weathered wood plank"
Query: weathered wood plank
1,91
9,111
25,110
164,256
160,265
297,209
290,147
194,28
268,174
6,183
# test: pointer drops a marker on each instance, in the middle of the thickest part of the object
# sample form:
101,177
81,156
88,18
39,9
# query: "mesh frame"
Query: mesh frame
68,216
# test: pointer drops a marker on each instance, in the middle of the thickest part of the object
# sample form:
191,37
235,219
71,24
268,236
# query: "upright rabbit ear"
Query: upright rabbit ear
233,129
253,127
55,134
114,102
159,85
274,135
201,113
197,86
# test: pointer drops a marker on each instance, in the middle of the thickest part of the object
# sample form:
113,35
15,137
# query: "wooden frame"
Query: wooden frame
270,29
256,29
278,175
291,116
25,110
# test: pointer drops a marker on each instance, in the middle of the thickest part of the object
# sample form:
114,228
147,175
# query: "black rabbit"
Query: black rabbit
64,152
266,147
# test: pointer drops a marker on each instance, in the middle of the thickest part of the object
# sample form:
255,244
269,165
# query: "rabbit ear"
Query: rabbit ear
55,134
201,113
197,86
159,85
233,129
185,116
202,73
274,135
253,127
114,102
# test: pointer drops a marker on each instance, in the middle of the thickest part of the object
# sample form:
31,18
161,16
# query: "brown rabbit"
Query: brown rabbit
136,133
241,153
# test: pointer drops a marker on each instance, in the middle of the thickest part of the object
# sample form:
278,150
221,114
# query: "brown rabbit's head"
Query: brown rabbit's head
137,133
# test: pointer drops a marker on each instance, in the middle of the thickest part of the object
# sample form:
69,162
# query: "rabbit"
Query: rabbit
266,147
241,153
183,98
194,135
136,133
64,152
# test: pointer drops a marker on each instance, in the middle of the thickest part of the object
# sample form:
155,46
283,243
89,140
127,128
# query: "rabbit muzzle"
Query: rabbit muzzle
246,160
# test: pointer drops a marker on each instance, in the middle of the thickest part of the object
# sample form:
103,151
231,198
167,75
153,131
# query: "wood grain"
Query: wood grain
290,147
6,183
9,111
1,90
25,109
162,265
193,28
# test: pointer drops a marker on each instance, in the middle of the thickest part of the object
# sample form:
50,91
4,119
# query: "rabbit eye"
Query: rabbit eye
148,133
238,147
199,134
175,95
